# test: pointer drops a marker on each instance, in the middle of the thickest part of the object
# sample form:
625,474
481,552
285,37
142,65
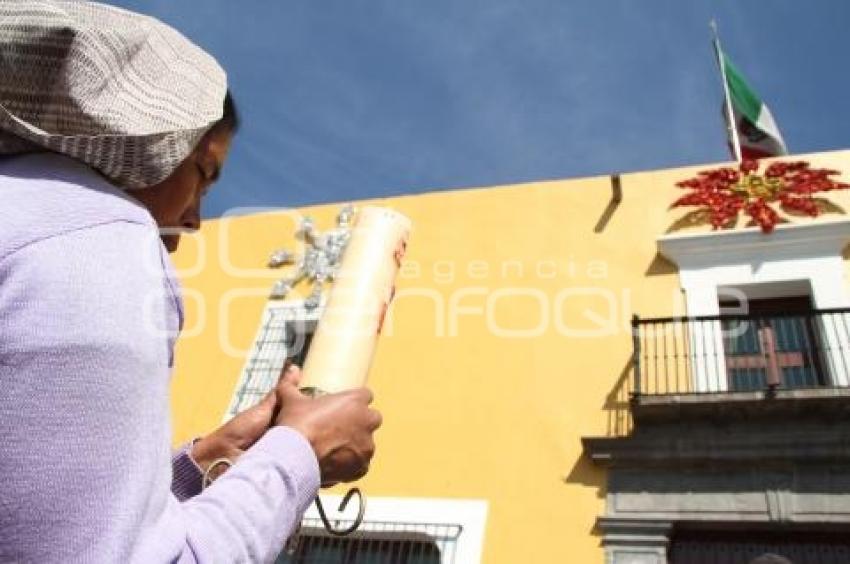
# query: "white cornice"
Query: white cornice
749,244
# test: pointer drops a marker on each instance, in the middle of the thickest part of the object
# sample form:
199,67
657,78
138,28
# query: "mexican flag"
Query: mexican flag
758,133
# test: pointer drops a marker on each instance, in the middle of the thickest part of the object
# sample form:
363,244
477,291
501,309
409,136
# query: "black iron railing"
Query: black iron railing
741,353
374,542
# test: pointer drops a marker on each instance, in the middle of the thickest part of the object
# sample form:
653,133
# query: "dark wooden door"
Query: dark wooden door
778,345
742,547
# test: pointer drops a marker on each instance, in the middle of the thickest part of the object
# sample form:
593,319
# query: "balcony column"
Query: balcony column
634,541
706,337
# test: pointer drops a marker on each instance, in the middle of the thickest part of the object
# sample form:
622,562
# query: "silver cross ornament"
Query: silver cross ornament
320,261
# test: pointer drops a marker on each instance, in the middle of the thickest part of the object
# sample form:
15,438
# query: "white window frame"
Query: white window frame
470,514
794,253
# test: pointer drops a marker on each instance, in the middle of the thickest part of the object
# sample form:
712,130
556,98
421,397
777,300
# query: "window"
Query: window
794,253
395,530
777,344
285,333
376,543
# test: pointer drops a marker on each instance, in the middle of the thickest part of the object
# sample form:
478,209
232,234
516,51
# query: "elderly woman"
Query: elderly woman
112,128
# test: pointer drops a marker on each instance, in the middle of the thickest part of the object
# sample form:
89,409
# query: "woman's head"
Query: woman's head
111,116
175,203
134,117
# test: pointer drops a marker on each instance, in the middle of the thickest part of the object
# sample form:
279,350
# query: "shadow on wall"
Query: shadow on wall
616,407
660,266
616,404
584,473
613,204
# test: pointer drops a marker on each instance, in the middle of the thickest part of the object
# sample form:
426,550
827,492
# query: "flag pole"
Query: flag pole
730,115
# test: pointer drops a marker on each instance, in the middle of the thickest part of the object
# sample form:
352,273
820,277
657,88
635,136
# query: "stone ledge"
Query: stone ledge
821,403
676,446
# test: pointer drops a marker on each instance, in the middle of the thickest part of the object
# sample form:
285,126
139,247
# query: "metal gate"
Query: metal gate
376,543
798,547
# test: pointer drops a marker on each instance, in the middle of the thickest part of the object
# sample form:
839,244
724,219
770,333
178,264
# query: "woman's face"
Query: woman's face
175,203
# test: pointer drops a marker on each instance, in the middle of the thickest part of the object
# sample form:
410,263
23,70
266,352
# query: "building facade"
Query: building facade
571,371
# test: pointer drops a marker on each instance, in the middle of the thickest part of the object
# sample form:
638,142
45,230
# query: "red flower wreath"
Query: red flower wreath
722,193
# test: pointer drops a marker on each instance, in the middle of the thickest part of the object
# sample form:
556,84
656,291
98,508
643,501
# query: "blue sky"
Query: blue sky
350,99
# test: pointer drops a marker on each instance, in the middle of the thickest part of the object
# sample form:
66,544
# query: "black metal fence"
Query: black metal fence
741,353
376,542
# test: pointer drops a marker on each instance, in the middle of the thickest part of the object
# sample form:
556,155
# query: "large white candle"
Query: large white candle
344,343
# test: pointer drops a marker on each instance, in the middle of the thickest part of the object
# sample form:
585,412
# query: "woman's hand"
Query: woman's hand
237,435
338,426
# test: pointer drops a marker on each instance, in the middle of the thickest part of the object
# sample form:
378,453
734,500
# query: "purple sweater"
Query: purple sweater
89,311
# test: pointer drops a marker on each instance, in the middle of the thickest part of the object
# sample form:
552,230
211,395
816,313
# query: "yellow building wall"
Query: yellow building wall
508,341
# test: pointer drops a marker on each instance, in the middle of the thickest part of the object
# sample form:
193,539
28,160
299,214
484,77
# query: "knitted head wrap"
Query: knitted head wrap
122,92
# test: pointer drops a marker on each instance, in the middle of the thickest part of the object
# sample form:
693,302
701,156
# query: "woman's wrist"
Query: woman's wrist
206,450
